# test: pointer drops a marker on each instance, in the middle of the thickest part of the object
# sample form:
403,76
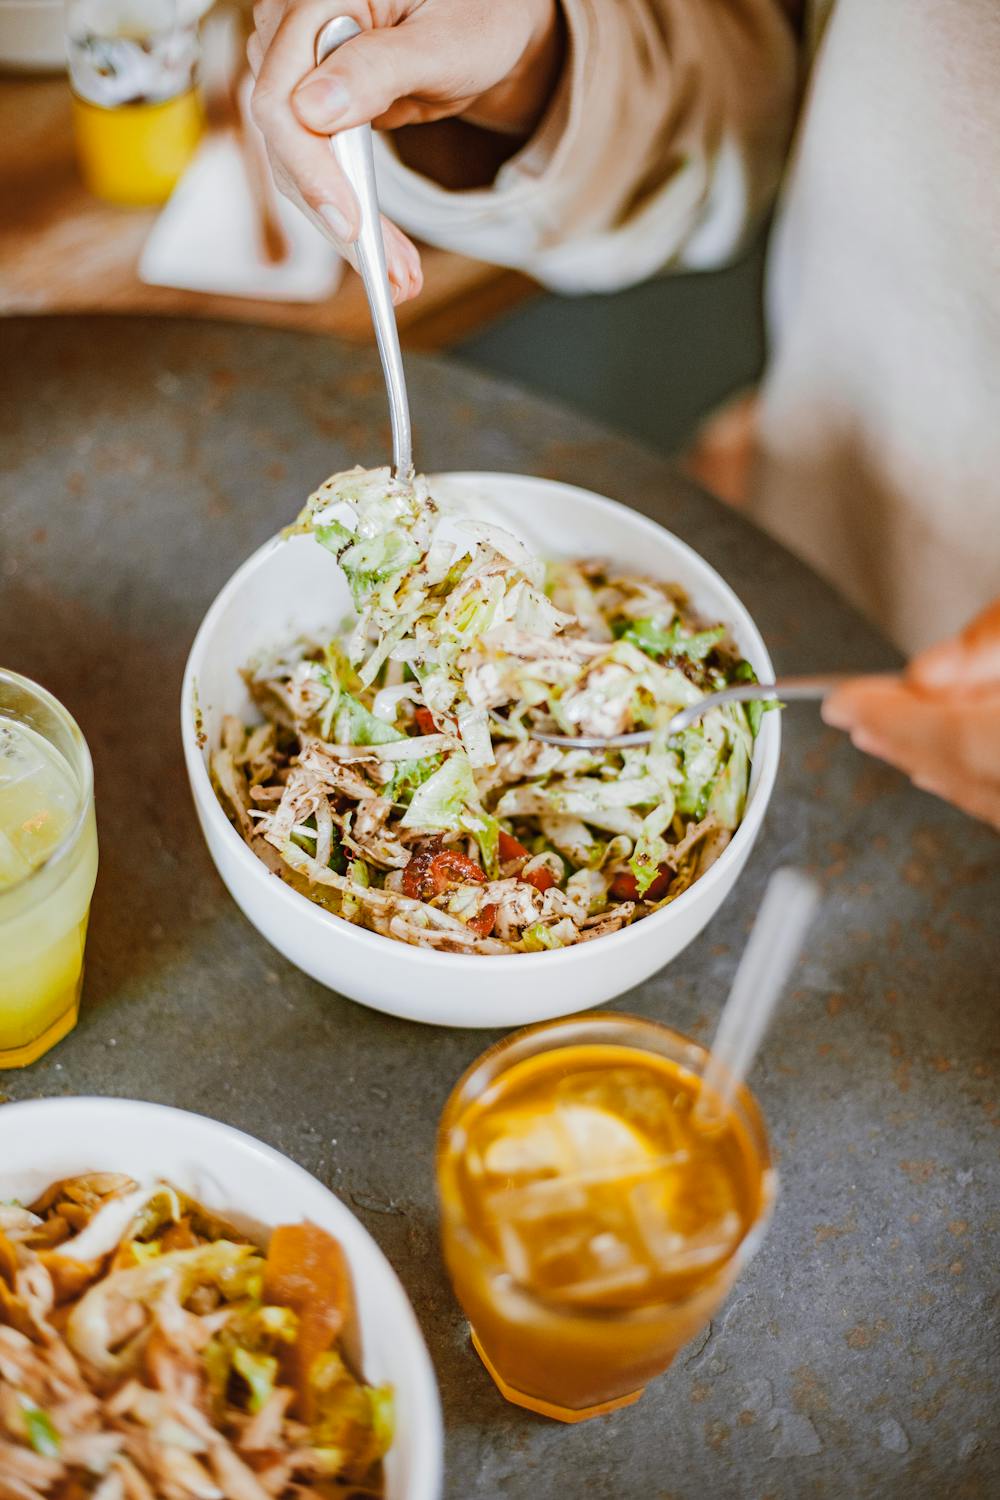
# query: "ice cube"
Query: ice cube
578,1259
13,865
19,757
608,1286
670,1251
38,795
544,1199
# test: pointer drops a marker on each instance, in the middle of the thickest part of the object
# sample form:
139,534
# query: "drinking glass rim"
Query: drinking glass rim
86,773
743,1250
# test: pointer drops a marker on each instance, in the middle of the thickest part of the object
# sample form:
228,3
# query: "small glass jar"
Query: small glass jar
136,110
44,907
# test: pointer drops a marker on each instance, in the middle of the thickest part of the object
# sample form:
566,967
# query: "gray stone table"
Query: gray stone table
858,1355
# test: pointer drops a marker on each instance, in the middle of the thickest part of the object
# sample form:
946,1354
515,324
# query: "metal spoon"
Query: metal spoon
353,150
784,688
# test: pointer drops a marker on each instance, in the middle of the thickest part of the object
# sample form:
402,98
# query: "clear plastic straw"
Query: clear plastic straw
786,911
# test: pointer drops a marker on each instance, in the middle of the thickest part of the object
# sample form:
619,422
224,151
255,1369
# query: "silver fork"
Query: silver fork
353,150
784,689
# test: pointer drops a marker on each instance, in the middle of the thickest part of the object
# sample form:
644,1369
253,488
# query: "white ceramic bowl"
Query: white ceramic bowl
287,589
256,1188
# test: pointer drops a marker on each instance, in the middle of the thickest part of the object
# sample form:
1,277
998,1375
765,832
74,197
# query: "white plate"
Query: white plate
256,1188
287,589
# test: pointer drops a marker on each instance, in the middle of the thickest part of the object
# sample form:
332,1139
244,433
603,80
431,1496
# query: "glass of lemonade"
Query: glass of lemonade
48,864
591,1227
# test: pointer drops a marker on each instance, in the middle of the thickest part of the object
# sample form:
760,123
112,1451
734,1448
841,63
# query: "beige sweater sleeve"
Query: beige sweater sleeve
663,147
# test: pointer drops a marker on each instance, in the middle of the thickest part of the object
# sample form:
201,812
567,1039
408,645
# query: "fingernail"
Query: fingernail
340,225
322,101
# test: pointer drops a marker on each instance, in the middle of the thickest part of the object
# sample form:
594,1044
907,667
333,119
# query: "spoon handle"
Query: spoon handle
353,150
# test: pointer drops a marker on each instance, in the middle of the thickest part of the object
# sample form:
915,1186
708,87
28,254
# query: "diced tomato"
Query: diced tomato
417,881
542,878
425,720
510,847
625,888
483,924
451,868
434,870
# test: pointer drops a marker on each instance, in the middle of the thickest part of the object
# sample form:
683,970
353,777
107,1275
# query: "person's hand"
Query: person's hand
416,60
940,721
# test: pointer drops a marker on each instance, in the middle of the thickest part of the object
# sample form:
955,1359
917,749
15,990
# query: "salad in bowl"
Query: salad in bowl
391,774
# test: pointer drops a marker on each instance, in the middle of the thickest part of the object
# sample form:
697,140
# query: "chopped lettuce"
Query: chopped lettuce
757,707
381,1400
651,851
354,724
676,640
350,907
374,560
346,1420
40,1428
729,794
409,774
538,937
486,831
441,801
259,1371
702,748
334,537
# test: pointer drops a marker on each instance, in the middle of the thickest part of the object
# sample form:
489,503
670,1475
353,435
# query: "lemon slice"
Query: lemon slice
564,1139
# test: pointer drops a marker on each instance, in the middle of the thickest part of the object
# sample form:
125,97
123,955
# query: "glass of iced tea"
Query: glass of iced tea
48,864
591,1225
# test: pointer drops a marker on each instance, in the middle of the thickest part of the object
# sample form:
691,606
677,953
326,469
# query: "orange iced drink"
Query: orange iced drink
591,1226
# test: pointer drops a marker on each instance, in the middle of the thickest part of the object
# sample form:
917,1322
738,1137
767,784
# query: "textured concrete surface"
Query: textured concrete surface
858,1355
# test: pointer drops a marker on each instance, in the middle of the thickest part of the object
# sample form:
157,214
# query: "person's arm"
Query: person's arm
662,146
643,132
940,721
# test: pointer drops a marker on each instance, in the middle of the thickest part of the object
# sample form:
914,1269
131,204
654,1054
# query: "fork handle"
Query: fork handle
741,692
790,688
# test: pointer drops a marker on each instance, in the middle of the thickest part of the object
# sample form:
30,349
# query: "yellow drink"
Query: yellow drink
48,864
134,154
590,1226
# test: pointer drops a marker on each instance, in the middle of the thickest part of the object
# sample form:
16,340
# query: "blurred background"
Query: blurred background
132,179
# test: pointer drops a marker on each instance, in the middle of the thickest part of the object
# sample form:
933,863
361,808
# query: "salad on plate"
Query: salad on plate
149,1351
392,776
